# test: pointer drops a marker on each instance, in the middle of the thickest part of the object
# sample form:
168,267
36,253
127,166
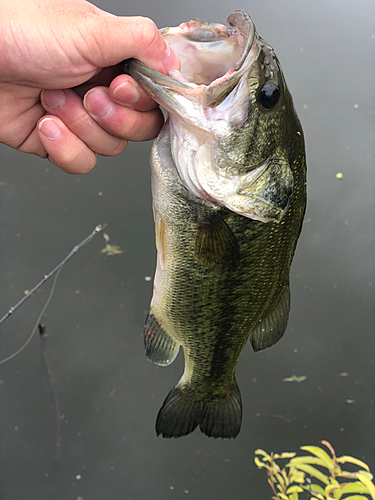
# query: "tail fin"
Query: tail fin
181,414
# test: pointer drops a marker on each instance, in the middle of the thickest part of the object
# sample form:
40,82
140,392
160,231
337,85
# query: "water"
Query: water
107,395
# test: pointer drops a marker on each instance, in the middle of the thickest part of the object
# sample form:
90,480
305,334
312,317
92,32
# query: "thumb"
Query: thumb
111,39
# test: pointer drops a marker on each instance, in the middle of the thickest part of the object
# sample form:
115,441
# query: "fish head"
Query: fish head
232,120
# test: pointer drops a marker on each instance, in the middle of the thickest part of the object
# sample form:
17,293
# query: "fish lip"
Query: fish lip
212,94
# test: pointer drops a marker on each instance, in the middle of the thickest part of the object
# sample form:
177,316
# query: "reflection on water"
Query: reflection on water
108,393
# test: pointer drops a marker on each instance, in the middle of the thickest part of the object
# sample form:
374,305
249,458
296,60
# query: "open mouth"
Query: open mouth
213,59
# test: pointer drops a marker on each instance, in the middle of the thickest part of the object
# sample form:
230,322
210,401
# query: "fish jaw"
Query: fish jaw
208,101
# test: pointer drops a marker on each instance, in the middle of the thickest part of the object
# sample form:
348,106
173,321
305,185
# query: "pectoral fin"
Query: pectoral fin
160,239
272,327
216,246
160,347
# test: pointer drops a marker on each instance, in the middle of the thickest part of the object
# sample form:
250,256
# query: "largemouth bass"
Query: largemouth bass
228,183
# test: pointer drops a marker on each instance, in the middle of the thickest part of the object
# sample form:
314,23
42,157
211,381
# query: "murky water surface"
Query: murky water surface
78,410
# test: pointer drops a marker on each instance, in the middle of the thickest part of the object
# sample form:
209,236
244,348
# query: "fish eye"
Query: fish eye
269,95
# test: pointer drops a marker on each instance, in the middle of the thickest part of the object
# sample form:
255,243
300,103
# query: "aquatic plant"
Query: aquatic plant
300,474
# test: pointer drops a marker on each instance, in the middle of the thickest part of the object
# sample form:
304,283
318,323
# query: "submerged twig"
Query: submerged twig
53,387
57,268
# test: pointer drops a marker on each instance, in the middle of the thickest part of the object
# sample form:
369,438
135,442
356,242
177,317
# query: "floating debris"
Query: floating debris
110,249
339,175
294,378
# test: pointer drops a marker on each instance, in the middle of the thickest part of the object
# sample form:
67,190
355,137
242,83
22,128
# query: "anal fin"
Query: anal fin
160,347
272,327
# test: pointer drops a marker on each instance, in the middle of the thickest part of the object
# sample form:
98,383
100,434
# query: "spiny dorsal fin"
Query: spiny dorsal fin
216,246
272,327
160,347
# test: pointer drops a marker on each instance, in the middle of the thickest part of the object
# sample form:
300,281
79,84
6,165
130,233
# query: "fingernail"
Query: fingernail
49,128
126,93
98,104
53,98
171,60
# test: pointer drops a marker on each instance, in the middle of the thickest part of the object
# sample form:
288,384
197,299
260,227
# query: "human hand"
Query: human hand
72,45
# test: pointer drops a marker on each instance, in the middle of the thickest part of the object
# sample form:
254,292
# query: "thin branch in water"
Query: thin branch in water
57,268
36,324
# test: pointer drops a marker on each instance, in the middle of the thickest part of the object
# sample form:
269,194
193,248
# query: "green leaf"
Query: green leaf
344,459
356,487
367,482
312,472
318,452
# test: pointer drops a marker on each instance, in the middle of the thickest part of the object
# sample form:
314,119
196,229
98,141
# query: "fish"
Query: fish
229,196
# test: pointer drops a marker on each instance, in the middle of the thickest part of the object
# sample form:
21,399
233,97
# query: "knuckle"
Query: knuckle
118,148
74,163
149,33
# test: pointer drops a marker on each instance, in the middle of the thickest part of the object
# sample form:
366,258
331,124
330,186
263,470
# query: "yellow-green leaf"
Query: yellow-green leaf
261,464
356,497
283,497
315,488
261,452
333,492
344,459
306,460
313,472
280,479
293,489
286,454
297,476
365,474
367,482
356,487
318,452
283,472
334,482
